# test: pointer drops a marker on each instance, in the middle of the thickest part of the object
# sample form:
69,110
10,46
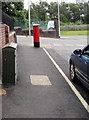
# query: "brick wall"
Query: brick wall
2,35
5,35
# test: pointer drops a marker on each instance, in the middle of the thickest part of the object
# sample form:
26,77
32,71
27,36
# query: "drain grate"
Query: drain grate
40,80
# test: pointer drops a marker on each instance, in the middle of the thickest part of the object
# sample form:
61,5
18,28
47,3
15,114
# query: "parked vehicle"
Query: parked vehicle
50,25
79,66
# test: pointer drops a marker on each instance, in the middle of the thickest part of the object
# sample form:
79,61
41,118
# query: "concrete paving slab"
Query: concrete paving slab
40,80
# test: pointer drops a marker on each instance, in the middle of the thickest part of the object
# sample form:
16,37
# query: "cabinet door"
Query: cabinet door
8,66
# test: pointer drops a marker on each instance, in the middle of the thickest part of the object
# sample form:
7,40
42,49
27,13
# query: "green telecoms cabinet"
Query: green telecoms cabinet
9,64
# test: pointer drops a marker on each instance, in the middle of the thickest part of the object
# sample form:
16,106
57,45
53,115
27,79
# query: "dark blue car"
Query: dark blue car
79,66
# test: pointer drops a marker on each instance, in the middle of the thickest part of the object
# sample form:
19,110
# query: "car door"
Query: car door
82,64
86,55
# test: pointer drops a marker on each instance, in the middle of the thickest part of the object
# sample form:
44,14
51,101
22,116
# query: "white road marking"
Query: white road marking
84,103
46,46
80,45
27,44
64,37
57,44
69,45
21,36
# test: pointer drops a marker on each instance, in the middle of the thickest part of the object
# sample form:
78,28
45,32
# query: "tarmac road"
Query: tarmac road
55,99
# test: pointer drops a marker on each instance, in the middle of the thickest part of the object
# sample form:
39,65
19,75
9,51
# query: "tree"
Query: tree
42,11
65,14
53,9
38,11
16,11
75,12
12,8
86,13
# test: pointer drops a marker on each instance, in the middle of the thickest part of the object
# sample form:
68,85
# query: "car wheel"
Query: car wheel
72,73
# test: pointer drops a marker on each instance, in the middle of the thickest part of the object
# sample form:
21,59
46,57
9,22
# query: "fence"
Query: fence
24,24
6,19
18,22
74,27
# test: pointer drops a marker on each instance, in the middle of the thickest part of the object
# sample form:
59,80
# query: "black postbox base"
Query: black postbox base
36,44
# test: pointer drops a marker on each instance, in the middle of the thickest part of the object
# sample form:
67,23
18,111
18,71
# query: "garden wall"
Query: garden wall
6,36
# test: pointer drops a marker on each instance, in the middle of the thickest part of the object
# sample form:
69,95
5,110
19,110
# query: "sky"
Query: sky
67,1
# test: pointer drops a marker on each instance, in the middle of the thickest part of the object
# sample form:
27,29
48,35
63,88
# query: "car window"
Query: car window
86,51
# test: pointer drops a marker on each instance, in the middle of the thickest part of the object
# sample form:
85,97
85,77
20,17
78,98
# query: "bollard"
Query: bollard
36,35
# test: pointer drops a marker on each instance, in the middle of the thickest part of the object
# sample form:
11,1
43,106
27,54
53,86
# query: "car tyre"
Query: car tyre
72,73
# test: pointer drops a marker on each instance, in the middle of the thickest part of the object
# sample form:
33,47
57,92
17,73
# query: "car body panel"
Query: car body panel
81,64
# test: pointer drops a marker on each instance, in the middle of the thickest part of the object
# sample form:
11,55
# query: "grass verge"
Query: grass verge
83,32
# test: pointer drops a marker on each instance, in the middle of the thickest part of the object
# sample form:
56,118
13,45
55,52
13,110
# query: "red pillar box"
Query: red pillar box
36,35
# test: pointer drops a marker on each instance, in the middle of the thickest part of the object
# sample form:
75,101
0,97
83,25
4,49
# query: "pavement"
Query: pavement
41,91
0,64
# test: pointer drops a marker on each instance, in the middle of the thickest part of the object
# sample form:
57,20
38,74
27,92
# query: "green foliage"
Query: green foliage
17,12
66,23
70,13
12,8
79,22
63,18
84,32
53,10
38,11
18,22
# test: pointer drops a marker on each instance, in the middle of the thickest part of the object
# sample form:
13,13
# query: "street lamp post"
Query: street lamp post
29,17
58,18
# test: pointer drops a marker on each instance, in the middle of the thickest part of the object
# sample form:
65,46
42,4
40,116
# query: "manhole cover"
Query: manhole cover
40,80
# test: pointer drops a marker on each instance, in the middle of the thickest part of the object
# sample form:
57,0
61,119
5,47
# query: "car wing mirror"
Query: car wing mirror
78,52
